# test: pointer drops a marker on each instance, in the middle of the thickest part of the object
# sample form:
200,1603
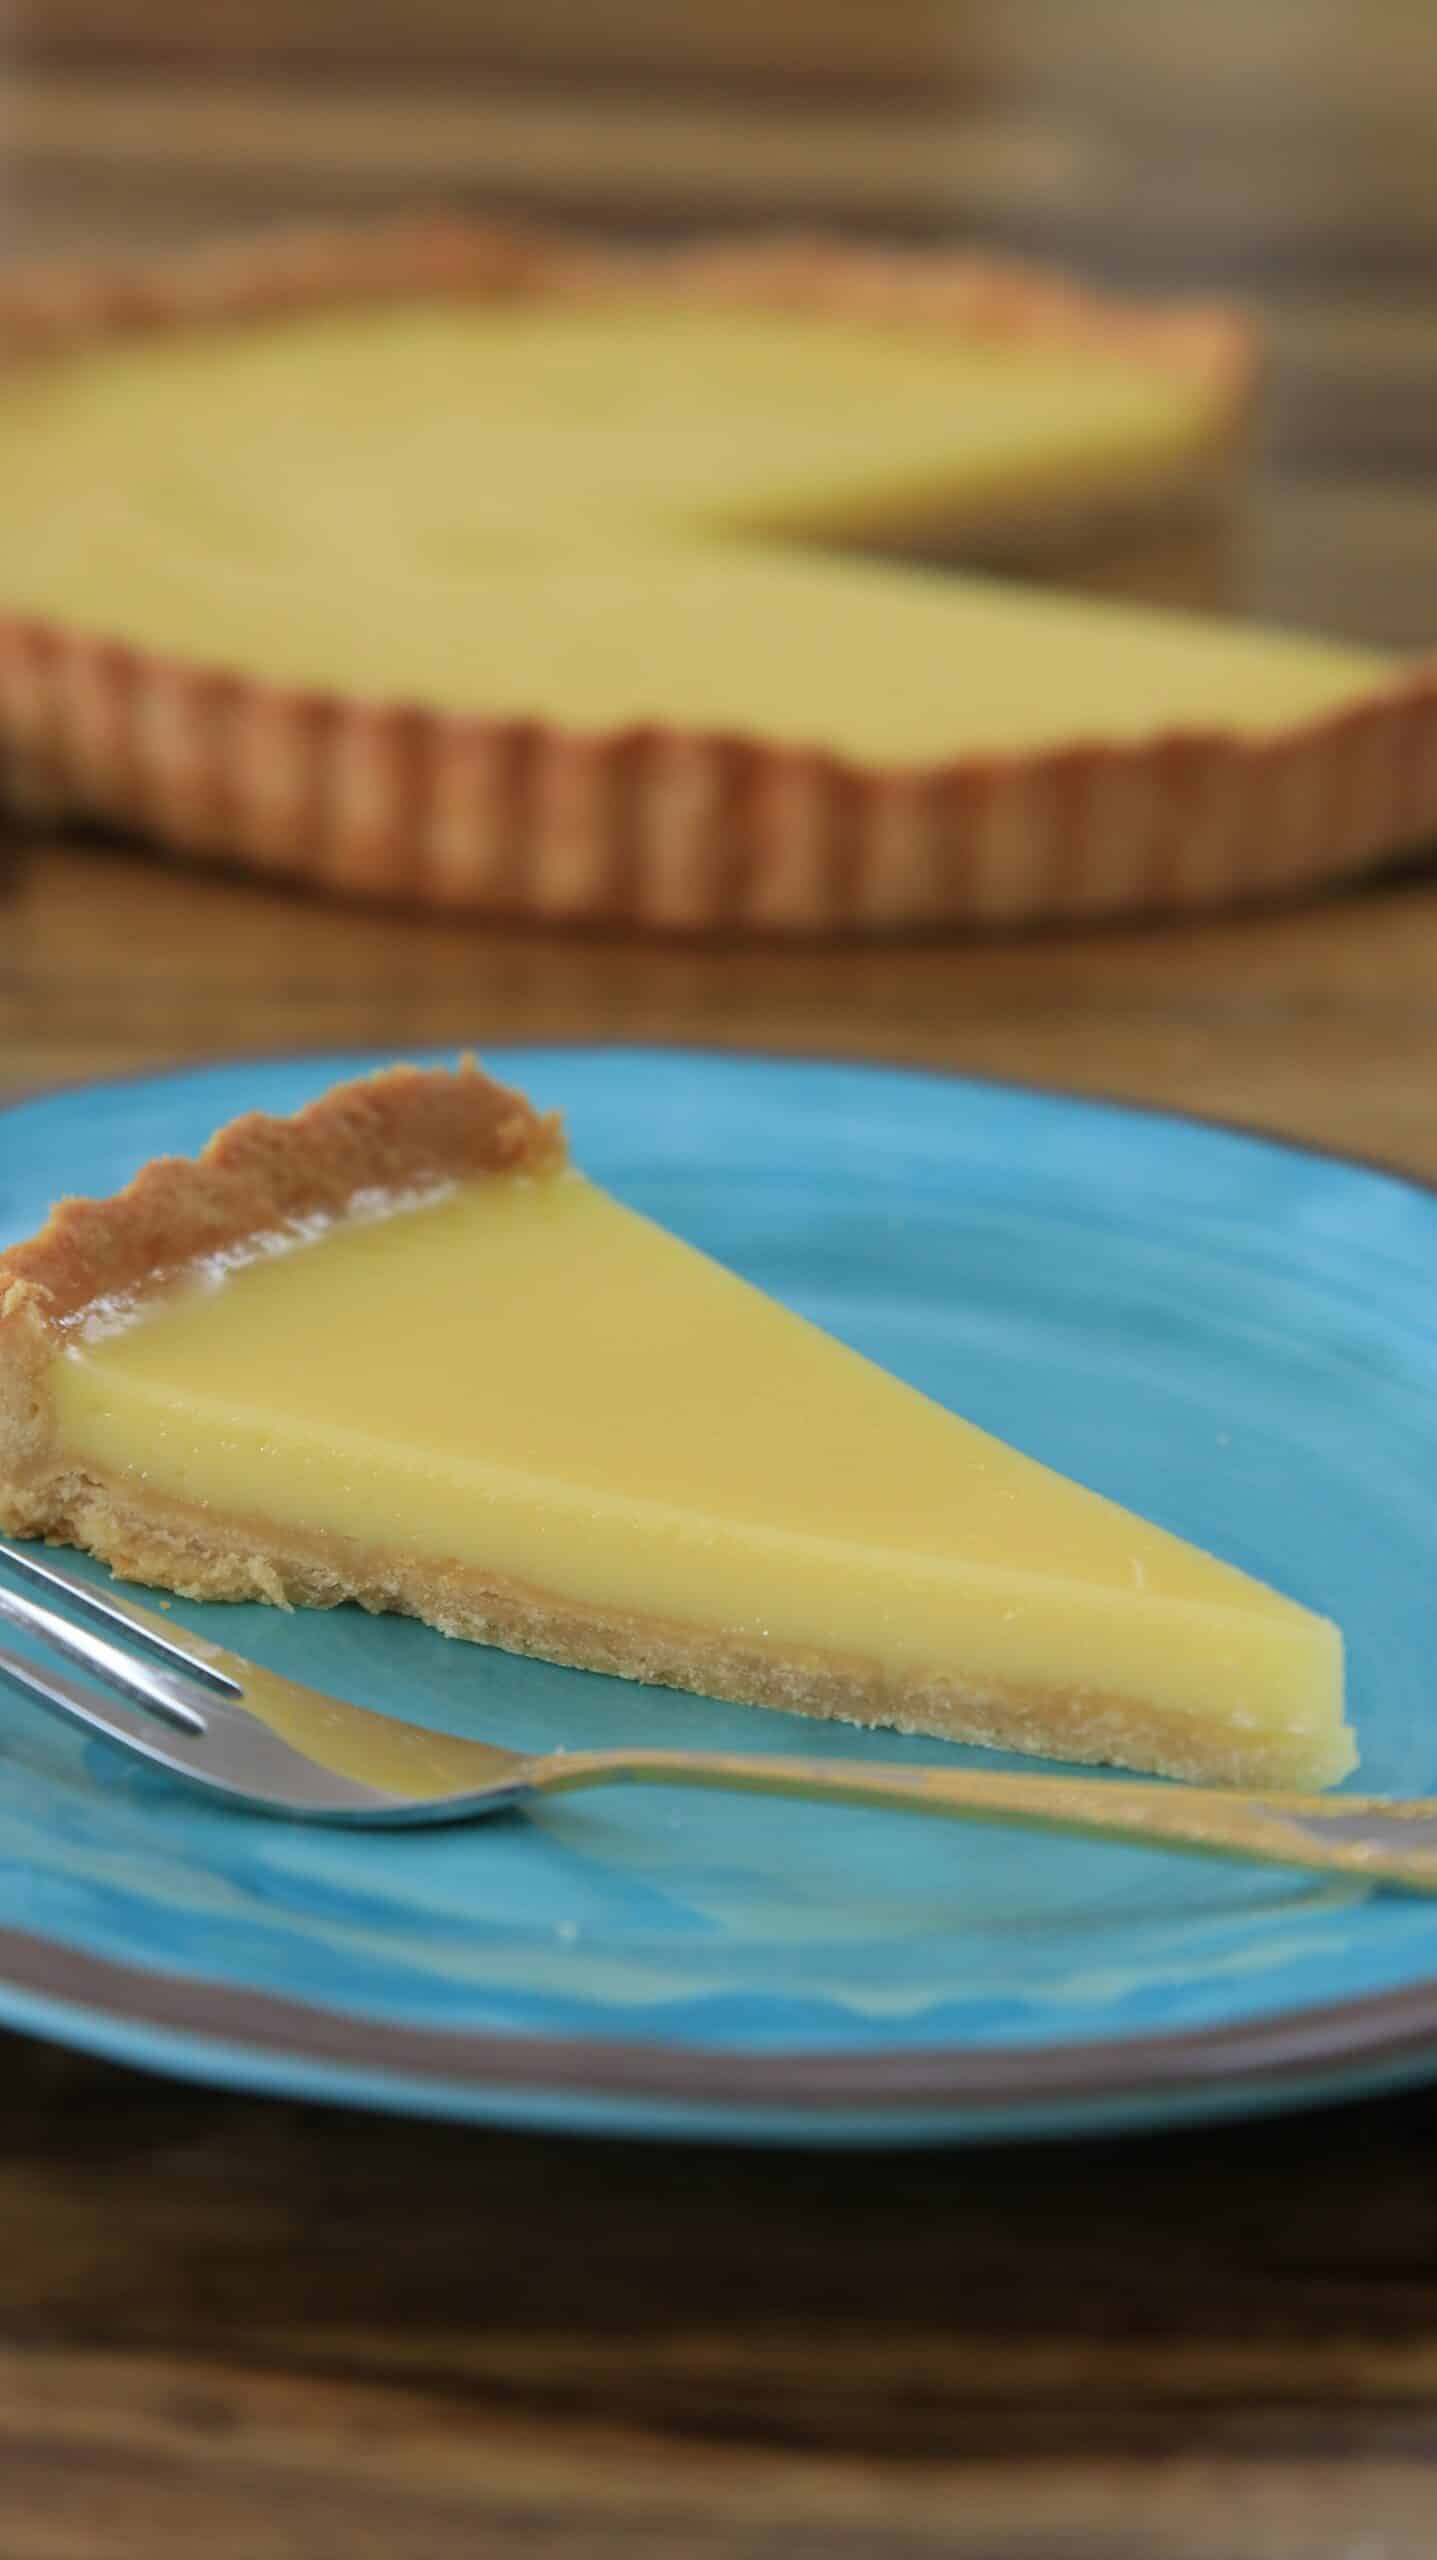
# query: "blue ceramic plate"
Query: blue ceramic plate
1233,1336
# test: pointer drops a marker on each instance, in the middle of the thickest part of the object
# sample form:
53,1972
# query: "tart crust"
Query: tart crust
660,826
259,1176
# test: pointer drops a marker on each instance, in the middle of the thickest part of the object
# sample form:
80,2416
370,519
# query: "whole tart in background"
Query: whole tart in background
464,566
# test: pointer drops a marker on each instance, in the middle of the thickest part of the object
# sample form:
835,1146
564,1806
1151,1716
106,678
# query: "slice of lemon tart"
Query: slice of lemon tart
486,570
397,1350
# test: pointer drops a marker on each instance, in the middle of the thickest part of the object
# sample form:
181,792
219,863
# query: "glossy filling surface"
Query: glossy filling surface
522,1376
603,517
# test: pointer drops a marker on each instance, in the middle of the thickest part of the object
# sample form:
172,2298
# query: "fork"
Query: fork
252,1739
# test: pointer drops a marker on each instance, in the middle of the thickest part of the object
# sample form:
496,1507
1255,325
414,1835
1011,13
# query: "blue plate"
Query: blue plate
1235,1337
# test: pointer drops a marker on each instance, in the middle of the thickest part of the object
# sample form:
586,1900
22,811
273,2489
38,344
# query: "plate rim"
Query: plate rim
1305,2051
1300,2050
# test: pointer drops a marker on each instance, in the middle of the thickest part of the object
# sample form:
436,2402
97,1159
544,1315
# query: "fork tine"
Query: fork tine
163,1744
171,1697
209,1661
244,1763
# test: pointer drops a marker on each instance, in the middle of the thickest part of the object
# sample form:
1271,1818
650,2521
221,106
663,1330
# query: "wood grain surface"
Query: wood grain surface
234,2328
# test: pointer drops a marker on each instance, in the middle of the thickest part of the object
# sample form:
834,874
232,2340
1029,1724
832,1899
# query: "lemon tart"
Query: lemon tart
398,1350
488,570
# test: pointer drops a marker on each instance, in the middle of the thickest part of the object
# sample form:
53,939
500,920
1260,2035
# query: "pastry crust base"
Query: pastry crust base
181,1550
659,827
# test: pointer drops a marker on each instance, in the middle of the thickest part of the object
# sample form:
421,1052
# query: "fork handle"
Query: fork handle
1380,1839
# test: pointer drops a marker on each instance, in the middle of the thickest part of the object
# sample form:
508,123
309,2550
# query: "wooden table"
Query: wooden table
268,2331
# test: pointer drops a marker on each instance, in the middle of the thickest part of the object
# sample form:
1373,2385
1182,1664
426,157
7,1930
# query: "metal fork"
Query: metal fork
252,1739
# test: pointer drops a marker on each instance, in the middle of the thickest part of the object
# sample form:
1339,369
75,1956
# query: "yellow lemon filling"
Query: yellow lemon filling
518,1375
